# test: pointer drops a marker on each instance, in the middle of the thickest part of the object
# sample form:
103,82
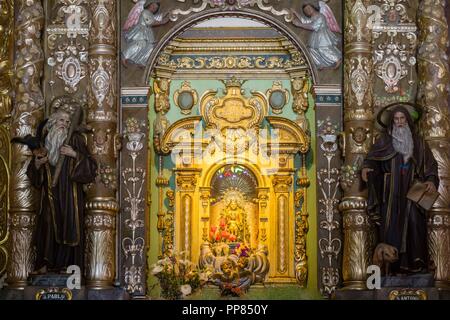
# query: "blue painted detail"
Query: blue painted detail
329,98
132,100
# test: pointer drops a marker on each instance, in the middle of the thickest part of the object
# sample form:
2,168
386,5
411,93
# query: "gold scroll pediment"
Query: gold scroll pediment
181,134
290,137
233,111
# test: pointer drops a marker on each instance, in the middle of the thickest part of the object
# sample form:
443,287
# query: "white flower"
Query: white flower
204,277
185,290
157,269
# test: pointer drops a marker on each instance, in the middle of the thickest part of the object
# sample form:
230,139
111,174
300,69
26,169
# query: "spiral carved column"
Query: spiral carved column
433,93
358,73
28,112
102,204
6,73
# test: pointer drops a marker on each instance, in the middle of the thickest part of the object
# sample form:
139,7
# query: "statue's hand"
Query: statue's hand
39,161
430,186
67,150
365,174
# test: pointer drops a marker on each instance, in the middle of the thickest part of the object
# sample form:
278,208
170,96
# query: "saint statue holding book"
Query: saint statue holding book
402,176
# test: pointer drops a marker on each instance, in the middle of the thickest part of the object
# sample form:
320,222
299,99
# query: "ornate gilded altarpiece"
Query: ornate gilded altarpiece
222,129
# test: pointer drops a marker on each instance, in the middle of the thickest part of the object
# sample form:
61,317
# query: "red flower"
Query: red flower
213,229
232,237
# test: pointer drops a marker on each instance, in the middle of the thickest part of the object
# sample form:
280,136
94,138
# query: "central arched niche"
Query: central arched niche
234,205
197,70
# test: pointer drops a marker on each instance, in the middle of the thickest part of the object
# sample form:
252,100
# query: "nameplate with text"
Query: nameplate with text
408,294
54,294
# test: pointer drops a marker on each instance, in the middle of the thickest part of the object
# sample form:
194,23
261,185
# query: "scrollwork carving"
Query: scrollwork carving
161,88
237,62
282,183
100,79
392,55
301,90
231,5
359,77
103,21
67,41
301,227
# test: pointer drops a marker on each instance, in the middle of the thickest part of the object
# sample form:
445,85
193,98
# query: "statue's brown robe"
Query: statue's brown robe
59,231
401,223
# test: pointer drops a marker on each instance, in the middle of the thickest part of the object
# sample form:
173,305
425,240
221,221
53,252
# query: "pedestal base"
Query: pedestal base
394,293
31,292
52,286
402,287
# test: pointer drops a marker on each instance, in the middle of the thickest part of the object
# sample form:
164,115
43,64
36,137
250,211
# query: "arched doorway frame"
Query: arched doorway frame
179,28
211,14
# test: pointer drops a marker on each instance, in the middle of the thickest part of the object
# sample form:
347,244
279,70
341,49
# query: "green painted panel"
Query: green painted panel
270,291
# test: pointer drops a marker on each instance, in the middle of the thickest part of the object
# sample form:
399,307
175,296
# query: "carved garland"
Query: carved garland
328,181
133,181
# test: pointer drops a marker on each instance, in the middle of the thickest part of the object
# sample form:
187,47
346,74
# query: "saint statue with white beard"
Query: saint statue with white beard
59,227
398,158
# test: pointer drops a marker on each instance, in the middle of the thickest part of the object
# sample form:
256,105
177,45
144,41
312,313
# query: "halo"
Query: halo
414,110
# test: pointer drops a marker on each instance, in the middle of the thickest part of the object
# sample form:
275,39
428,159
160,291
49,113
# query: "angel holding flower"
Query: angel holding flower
139,39
323,42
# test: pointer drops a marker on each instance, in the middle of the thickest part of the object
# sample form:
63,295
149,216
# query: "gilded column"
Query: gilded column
263,202
102,204
6,72
205,196
187,220
301,226
28,112
433,94
161,183
283,236
358,110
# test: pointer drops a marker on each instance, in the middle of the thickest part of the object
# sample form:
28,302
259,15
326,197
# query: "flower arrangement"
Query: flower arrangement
221,234
241,250
178,277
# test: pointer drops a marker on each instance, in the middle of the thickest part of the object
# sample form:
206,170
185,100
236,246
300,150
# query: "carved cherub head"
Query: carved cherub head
359,134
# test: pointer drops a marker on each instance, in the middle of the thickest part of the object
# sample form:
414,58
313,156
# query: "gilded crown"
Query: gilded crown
233,82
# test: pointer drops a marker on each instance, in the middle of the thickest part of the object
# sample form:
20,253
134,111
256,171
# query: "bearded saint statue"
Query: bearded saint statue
59,234
398,158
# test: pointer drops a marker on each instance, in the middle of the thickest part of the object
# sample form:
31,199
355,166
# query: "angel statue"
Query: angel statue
138,33
323,42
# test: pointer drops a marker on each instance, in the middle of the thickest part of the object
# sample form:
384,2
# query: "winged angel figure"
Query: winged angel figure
323,42
139,38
